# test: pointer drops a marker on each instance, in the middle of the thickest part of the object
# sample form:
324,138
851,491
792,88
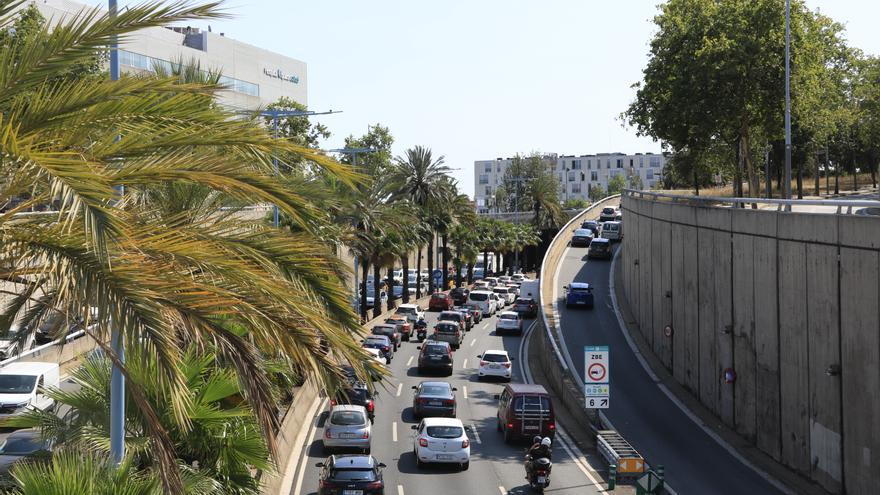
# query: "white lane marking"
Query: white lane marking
476,434
486,325
399,388
687,412
304,460
473,341
464,364
394,431
502,490
399,489
409,361
464,391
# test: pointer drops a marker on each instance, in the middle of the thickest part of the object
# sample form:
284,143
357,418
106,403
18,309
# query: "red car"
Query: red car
440,301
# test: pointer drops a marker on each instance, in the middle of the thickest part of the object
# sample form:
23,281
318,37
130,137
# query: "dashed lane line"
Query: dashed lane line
476,434
394,431
410,360
464,391
399,388
464,365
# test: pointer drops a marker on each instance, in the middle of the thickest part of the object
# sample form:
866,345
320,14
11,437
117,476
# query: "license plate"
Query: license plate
435,403
347,435
352,492
494,366
542,479
531,426
435,358
444,457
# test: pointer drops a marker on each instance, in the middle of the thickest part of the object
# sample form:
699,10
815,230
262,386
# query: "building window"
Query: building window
608,163
488,190
488,168
594,176
575,164
589,164
484,179
619,163
571,175
576,188
147,63
641,162
655,162
498,168
649,175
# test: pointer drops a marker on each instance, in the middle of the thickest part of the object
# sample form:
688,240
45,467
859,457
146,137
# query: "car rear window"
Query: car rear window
405,311
450,316
353,475
434,390
444,431
581,291
479,297
446,328
532,402
347,418
383,331
524,301
500,291
610,227
508,317
495,358
439,296
435,349
353,394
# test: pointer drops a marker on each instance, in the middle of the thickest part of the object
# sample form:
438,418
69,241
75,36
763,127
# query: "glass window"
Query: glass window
353,475
444,431
594,176
17,384
347,418
575,164
487,168
589,164
484,179
619,163
144,62
576,188
655,161
608,163
488,190
649,174
641,162
496,358
571,175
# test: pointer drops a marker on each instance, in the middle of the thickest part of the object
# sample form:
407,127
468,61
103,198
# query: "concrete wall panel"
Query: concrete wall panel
724,320
766,347
807,227
707,324
659,237
744,335
687,330
665,314
678,300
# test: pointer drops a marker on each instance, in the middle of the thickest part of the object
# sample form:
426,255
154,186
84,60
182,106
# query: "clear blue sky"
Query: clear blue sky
479,79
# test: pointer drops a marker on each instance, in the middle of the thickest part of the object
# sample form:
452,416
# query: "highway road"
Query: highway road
639,410
495,468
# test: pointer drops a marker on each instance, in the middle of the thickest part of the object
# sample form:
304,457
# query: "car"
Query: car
441,440
613,231
495,363
504,294
581,238
481,285
579,294
526,306
22,386
600,248
344,474
525,411
454,316
371,298
448,331
592,225
435,356
347,427
509,322
468,317
492,281
475,310
459,295
434,399
504,280
377,356
412,312
483,299
517,278
514,289
389,331
440,301
609,214
356,394
22,444
381,342
403,326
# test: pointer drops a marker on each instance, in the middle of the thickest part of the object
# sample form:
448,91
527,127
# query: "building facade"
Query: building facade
256,77
577,175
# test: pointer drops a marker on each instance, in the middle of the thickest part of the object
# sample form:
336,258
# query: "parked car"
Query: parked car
613,231
578,294
509,322
357,474
592,225
495,363
412,312
526,306
609,214
23,384
600,248
381,342
356,394
459,295
347,427
389,331
504,294
20,445
456,317
581,238
448,331
434,399
440,301
441,440
525,411
483,300
403,326
435,356
475,310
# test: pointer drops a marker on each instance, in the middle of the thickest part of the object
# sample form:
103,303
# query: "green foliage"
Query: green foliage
575,204
616,184
529,183
300,130
597,192
377,163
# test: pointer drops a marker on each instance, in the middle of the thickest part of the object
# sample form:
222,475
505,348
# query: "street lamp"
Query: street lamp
787,101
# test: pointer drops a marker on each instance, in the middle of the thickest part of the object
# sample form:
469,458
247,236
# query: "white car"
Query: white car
412,312
505,294
613,231
509,322
485,300
376,354
495,363
441,440
492,281
481,285
518,277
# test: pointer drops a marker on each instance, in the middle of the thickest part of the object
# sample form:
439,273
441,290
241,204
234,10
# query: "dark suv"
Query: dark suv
356,394
342,474
434,356
459,295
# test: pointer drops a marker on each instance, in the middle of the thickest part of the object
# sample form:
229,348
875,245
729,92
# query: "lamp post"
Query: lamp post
788,101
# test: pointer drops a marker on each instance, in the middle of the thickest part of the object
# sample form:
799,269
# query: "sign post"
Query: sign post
597,379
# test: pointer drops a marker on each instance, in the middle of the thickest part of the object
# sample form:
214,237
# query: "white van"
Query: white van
613,231
530,288
22,385
485,300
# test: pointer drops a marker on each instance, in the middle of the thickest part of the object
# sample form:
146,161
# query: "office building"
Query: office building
577,175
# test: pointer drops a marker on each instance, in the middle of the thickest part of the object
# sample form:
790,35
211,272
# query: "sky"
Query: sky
479,79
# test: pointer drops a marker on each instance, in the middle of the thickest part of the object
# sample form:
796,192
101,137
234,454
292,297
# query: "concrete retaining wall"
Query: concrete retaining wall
782,299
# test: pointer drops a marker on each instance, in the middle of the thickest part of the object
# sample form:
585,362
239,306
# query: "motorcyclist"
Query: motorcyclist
540,448
421,328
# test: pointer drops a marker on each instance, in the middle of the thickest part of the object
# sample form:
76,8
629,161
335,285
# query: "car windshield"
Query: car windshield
508,317
478,296
434,390
17,384
435,349
405,311
21,445
347,418
353,475
444,431
495,358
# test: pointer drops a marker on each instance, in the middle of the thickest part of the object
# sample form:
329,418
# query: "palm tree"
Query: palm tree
422,235
163,280
543,191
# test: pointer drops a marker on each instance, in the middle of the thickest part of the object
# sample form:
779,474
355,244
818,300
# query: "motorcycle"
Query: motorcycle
421,329
539,478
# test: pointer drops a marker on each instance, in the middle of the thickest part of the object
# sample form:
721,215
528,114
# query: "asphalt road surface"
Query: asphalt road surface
495,468
639,410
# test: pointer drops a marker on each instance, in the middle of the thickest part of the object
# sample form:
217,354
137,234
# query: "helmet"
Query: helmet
546,442
537,439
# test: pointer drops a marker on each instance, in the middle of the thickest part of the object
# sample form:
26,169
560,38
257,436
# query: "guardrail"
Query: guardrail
781,204
37,351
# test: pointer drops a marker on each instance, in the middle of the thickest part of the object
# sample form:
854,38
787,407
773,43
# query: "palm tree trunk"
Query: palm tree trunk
391,304
404,264
485,262
498,261
470,277
377,301
419,273
365,269
445,268
431,265
458,268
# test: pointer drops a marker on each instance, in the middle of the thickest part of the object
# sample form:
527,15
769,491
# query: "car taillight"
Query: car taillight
423,401
465,443
374,485
483,363
541,472
366,434
370,406
510,425
332,402
326,484
386,348
423,442
327,434
449,402
506,365
552,426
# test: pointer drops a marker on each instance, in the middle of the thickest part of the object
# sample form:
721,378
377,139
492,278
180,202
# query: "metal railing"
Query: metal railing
782,204
36,351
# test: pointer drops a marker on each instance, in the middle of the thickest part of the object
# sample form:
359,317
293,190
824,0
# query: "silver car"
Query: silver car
347,427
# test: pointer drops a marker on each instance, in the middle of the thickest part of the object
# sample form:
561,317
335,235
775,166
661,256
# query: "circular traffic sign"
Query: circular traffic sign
596,372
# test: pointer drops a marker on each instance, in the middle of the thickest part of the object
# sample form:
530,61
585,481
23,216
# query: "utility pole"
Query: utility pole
788,101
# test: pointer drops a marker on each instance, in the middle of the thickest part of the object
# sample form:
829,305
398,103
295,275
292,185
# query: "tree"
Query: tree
616,184
597,192
575,204
530,184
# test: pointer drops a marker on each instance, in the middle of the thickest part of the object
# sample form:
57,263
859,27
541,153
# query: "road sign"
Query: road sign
597,402
596,365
